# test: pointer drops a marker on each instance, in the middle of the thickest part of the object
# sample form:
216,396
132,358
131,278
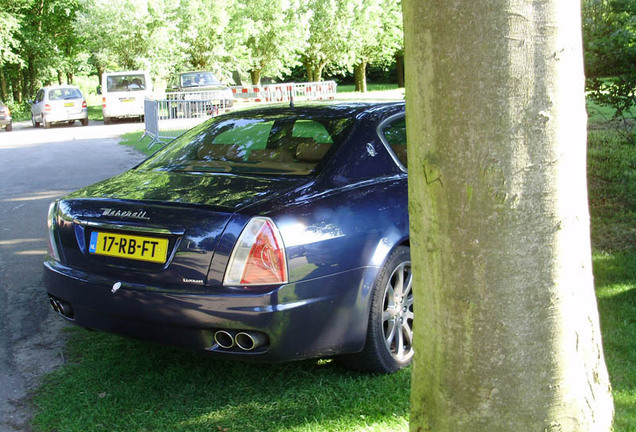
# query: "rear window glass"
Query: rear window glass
64,94
277,146
198,79
121,83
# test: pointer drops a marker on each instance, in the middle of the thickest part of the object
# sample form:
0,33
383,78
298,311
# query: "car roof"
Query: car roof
57,86
318,109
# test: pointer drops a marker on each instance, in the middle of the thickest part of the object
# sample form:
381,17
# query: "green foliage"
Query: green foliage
609,28
49,41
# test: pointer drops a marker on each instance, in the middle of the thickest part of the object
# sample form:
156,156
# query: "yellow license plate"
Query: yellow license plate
127,100
141,248
69,104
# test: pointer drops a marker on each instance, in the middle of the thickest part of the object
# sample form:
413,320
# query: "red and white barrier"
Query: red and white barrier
283,92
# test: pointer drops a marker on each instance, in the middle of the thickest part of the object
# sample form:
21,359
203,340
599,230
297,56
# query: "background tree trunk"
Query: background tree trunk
399,69
507,335
255,75
360,76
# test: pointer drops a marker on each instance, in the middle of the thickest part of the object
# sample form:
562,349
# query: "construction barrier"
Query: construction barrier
164,120
284,92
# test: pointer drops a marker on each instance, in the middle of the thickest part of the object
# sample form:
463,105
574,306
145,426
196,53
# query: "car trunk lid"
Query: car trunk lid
154,229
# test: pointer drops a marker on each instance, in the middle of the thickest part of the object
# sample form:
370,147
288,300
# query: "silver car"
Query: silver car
5,118
56,104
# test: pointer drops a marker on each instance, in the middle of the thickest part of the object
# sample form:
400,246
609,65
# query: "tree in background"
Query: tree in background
609,28
507,336
330,23
45,41
203,29
271,35
130,34
9,46
376,36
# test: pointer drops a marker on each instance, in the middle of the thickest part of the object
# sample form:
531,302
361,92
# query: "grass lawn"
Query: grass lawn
115,384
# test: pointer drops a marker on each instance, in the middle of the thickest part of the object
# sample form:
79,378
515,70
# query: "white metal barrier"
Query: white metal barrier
285,91
164,120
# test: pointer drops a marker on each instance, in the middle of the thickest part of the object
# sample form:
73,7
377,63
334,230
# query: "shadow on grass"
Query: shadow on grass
119,384
615,276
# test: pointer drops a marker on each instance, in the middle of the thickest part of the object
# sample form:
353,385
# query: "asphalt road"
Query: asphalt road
37,166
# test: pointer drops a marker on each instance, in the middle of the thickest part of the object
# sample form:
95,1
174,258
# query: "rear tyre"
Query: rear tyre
389,343
107,120
84,122
35,124
45,124
9,127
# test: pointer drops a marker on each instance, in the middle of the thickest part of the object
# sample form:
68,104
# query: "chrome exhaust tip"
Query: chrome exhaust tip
224,339
250,341
62,308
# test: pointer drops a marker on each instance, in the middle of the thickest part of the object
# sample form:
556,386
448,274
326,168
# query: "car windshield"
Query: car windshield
130,82
64,94
262,144
199,79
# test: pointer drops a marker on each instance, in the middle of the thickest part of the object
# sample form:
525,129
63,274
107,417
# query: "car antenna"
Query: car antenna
291,96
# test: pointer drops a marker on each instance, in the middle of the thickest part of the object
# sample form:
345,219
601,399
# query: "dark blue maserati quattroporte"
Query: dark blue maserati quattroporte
273,234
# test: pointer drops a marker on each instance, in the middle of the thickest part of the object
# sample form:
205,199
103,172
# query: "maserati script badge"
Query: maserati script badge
140,214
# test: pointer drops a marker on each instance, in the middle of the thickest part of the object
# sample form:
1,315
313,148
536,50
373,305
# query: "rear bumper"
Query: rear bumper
315,318
62,117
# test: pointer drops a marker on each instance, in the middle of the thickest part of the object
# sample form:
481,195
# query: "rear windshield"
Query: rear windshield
280,145
64,94
198,79
121,83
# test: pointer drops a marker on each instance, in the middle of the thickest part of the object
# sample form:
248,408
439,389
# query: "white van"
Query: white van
123,94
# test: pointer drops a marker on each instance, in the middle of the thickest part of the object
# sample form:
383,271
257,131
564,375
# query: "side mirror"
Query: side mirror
99,89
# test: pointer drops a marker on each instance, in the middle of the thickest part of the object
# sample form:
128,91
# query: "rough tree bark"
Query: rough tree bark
507,334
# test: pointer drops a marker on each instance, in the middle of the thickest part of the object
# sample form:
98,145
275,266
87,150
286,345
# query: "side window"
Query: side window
394,132
40,96
311,129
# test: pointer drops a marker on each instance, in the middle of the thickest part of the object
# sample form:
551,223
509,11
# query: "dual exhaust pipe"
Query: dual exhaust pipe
61,307
246,341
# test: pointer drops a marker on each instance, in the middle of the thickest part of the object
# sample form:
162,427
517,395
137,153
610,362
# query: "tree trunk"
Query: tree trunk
59,77
399,69
255,75
3,86
309,70
360,76
507,334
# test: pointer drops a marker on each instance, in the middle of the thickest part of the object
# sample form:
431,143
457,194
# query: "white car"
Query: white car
123,94
59,104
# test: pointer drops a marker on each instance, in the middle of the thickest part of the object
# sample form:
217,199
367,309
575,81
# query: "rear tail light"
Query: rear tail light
258,257
83,104
47,107
104,102
51,222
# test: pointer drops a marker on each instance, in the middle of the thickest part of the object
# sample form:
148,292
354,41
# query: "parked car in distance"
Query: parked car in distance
205,84
271,234
59,104
123,94
5,117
